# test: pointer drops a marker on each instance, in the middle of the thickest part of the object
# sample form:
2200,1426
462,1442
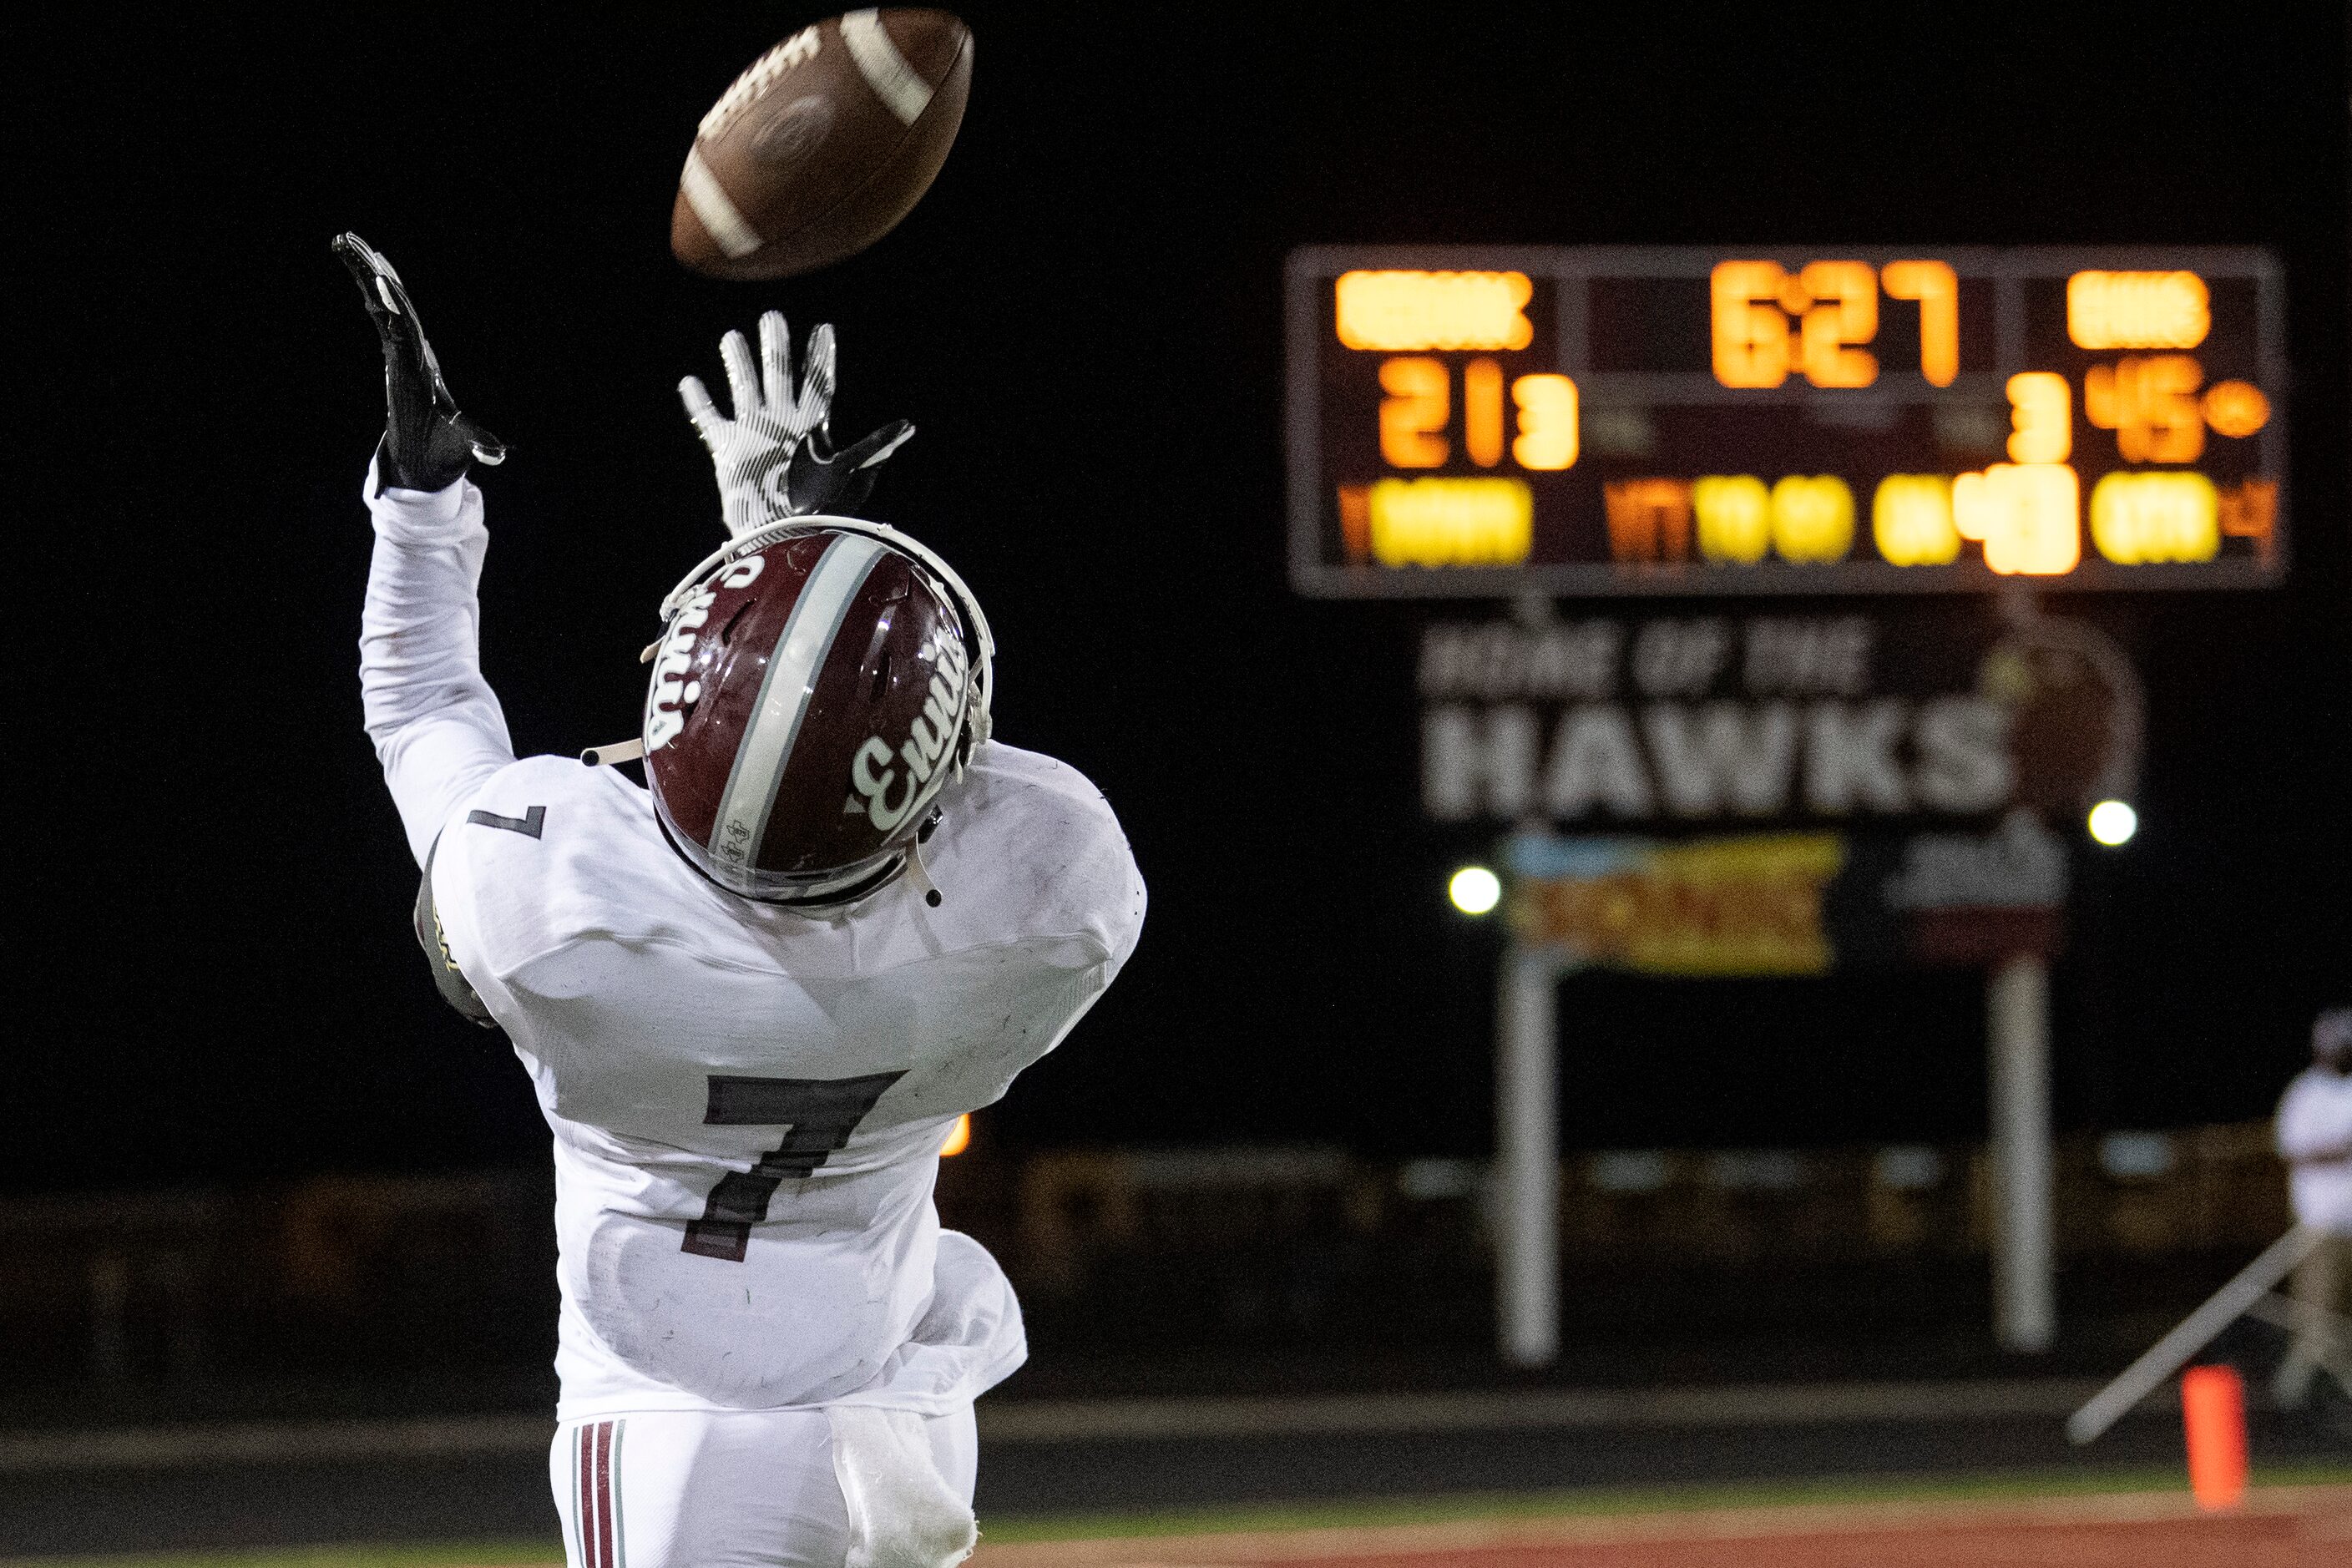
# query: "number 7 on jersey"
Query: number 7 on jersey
820,1114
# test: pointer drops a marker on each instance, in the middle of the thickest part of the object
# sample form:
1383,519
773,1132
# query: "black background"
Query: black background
210,972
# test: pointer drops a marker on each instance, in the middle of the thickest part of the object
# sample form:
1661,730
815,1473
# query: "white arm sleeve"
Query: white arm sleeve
437,727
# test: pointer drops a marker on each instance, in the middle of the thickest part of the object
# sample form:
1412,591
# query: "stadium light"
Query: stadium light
959,1138
1474,890
2113,822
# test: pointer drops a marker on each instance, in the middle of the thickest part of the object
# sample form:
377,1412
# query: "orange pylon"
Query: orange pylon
2214,1417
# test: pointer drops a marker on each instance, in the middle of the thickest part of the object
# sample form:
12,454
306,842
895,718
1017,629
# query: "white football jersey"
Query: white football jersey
2315,1119
747,1102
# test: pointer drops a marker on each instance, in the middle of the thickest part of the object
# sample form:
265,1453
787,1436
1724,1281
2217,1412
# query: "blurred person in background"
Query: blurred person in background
2315,1138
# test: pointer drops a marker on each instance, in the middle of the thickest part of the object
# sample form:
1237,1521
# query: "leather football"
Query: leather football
823,145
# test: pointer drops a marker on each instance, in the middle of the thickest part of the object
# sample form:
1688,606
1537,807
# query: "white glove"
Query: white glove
754,452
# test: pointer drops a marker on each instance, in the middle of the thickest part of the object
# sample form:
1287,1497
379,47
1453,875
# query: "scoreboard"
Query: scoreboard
1490,421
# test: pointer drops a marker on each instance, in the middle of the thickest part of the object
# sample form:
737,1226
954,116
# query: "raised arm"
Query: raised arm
437,727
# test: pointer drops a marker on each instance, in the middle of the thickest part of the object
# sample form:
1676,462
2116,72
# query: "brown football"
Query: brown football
823,145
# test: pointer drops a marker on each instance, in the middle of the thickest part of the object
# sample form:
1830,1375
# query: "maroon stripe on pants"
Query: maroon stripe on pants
585,1519
604,1494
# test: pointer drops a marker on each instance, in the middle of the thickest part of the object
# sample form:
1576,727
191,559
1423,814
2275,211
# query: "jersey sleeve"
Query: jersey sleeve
439,729
1119,896
1069,847
502,877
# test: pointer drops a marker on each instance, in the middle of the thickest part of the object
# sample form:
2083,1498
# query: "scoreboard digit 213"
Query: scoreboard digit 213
1485,421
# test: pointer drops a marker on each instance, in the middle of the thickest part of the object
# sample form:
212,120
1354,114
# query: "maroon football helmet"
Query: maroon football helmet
818,683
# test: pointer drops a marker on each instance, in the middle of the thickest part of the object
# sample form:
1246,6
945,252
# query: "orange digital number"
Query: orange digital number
1548,438
1835,304
1420,401
1938,289
1482,412
2150,402
1413,412
1752,335
1841,309
2041,417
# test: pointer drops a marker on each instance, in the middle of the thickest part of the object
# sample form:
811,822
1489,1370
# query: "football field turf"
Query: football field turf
2296,1517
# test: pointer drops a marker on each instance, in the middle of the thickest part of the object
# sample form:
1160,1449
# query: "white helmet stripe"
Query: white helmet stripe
784,693
983,657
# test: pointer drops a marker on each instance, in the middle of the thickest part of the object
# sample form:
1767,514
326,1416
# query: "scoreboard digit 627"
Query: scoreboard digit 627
1491,421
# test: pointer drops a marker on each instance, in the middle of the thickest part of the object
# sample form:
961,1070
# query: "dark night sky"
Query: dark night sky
211,972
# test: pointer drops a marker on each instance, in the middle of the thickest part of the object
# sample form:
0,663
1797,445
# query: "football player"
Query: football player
754,994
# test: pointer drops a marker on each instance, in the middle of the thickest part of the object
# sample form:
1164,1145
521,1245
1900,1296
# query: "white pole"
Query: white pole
2024,1268
2239,1298
1527,1160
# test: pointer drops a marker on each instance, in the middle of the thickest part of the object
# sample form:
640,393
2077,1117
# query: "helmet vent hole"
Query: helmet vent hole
727,632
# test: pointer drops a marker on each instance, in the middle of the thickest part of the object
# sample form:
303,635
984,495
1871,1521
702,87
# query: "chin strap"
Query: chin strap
619,752
917,875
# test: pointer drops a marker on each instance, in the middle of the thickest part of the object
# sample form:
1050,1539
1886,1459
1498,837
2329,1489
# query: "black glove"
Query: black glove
775,458
427,444
818,479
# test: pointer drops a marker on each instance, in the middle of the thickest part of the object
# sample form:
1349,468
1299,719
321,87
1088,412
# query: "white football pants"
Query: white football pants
782,1489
